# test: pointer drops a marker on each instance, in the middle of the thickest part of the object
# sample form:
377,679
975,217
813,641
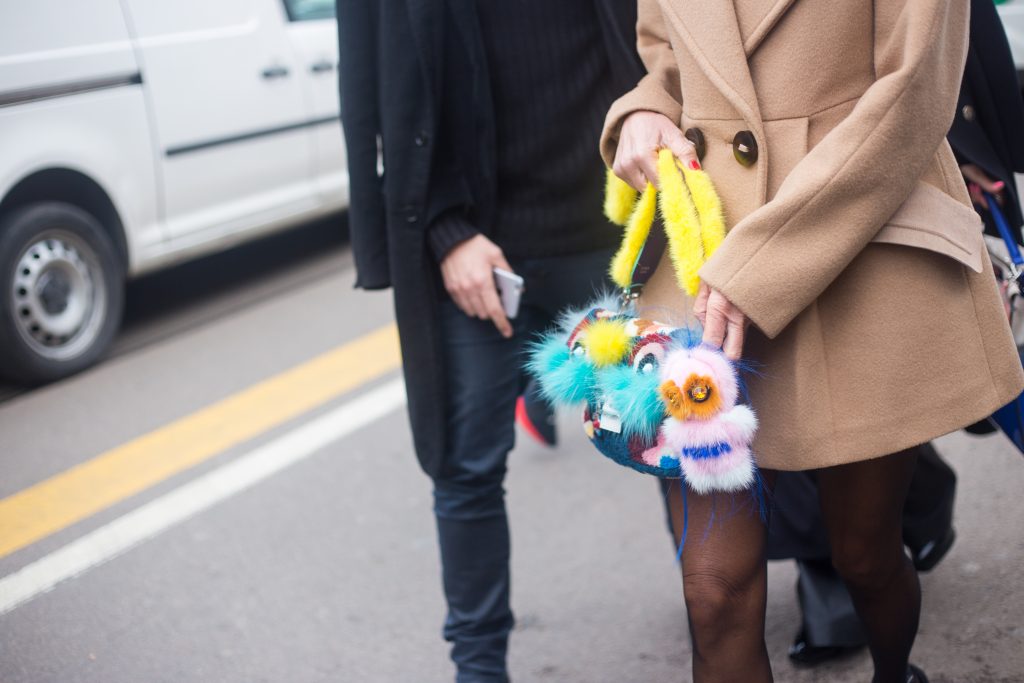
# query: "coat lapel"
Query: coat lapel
753,39
712,33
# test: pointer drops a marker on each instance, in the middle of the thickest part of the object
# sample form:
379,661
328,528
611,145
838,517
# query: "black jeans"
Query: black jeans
484,378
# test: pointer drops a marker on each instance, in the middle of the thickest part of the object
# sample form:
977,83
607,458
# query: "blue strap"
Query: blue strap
686,521
1004,230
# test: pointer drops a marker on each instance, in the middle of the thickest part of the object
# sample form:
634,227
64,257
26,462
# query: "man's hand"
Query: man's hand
468,272
724,323
978,182
643,135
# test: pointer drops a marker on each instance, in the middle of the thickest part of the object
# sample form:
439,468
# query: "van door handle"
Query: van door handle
275,71
323,66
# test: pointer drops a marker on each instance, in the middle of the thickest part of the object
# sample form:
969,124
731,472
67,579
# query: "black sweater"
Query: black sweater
551,85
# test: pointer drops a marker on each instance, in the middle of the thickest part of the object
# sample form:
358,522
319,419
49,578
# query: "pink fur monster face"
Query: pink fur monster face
698,383
706,430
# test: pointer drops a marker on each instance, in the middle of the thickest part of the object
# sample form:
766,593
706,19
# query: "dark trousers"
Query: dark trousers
797,531
484,378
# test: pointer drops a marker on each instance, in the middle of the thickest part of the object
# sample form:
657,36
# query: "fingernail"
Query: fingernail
695,165
999,185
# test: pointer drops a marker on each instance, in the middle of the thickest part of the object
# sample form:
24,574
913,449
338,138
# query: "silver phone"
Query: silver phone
510,289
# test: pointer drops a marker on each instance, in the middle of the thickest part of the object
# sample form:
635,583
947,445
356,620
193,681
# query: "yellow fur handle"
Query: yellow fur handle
690,209
709,208
682,223
637,228
619,198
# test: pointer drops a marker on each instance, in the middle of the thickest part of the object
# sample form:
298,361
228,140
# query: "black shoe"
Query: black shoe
931,553
915,675
986,426
803,653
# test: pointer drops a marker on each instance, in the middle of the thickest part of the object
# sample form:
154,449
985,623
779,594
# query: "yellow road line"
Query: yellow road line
83,490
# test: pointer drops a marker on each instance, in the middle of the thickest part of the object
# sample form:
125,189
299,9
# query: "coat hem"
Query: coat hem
877,441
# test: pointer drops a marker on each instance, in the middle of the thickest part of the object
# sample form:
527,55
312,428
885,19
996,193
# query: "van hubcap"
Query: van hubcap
58,295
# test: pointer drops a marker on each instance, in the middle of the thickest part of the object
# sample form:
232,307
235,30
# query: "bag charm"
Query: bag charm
655,398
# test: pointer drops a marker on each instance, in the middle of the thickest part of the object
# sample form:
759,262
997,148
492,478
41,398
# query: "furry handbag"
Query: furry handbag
655,398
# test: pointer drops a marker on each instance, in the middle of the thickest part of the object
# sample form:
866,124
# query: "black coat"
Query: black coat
989,127
391,88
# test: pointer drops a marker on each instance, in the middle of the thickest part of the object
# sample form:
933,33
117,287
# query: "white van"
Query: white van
137,134
1012,14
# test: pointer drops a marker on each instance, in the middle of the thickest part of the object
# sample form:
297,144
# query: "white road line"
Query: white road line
176,506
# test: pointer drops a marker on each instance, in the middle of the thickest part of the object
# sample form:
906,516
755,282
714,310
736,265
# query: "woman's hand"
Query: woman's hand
978,182
468,272
643,134
724,324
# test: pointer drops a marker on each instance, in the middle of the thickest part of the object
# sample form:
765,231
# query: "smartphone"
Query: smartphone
510,290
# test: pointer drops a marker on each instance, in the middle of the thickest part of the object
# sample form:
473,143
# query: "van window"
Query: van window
303,10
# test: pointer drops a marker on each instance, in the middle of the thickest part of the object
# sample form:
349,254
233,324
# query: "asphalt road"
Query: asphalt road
301,548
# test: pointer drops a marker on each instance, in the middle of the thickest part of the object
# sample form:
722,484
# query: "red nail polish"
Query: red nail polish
695,165
999,185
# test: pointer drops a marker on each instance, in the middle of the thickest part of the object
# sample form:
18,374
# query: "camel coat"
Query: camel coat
852,247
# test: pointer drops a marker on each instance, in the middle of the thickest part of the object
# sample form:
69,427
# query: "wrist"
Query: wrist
448,230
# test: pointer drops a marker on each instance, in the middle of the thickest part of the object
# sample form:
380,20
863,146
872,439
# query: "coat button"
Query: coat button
968,112
421,139
411,218
696,136
744,148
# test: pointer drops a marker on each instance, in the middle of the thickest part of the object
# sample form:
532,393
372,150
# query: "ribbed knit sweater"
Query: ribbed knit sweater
551,86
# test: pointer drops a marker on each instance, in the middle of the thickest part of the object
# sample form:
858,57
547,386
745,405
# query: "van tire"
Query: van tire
61,292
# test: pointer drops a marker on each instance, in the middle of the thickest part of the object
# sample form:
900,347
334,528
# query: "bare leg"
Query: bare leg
724,584
862,504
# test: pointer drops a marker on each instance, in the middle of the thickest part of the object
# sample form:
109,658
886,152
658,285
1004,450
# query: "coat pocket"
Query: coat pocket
931,219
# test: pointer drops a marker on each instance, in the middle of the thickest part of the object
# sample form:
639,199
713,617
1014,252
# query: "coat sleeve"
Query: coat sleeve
781,257
360,116
658,90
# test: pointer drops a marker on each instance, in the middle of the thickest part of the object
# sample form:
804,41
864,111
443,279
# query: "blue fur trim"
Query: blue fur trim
546,354
705,452
668,462
564,379
687,337
635,397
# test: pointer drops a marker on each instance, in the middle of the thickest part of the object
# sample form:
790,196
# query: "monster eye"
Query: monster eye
699,392
577,336
702,395
645,365
576,340
648,358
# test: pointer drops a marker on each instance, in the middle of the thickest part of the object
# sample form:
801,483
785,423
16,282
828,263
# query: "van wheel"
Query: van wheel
61,292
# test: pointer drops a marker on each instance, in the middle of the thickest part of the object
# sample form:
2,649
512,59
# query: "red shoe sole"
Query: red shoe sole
523,420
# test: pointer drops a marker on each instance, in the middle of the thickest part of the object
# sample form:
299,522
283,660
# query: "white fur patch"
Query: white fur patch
744,418
736,478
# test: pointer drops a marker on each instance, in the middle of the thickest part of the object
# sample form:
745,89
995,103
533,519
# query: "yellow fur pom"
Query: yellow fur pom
637,229
619,199
606,342
682,223
709,208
